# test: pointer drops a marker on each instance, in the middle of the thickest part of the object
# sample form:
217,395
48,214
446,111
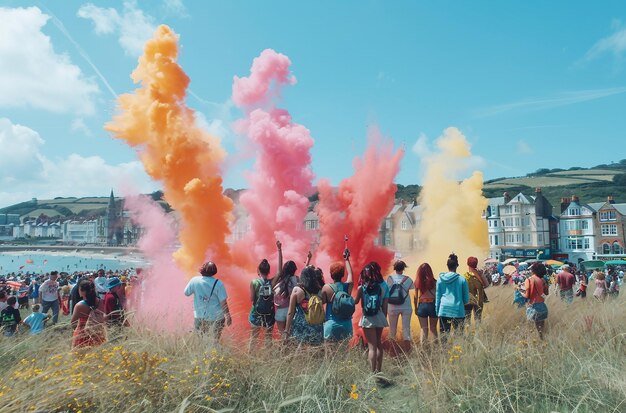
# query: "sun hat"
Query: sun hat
114,282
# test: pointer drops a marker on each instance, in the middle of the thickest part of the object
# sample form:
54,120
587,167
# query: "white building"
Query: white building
80,231
519,226
577,231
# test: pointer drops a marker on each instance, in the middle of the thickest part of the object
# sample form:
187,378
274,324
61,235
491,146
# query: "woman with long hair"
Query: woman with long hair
305,302
283,285
425,293
373,298
602,288
88,318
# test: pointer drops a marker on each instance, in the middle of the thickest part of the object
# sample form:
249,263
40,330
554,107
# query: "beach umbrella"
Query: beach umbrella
616,262
523,264
553,262
510,260
593,264
509,270
491,261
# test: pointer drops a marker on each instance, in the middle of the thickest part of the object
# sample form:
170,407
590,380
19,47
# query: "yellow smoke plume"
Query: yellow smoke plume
452,210
186,159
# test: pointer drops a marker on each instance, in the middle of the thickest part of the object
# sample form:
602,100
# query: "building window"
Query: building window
609,229
574,243
540,238
404,225
515,209
606,249
495,239
586,243
574,212
387,224
311,224
617,249
607,216
495,223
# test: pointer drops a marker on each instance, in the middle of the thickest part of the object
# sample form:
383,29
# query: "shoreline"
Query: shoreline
109,253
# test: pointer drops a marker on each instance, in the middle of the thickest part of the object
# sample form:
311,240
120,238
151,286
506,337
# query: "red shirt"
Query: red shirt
534,287
111,304
565,280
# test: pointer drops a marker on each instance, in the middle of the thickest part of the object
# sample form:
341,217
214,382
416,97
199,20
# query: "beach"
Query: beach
69,259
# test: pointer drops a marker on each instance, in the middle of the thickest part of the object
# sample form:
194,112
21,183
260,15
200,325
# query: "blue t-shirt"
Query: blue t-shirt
35,321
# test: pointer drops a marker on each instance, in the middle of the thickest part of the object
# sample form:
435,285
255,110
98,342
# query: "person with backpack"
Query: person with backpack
88,318
10,317
262,311
425,293
373,298
283,285
210,308
451,297
305,318
400,301
340,304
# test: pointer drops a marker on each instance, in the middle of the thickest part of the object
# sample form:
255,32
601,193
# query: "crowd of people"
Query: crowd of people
95,302
303,307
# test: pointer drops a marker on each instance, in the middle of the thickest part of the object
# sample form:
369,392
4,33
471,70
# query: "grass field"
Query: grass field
499,367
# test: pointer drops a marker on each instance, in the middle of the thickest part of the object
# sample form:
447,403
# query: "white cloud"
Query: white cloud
132,26
524,148
32,74
79,126
614,44
421,147
549,102
30,174
175,8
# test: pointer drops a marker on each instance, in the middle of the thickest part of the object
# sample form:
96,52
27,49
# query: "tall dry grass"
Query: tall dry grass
501,366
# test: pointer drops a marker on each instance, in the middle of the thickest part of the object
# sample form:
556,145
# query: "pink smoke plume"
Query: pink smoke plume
277,200
359,205
152,300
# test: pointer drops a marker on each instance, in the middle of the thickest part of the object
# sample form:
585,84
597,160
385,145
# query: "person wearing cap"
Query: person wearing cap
113,303
476,282
400,301
566,280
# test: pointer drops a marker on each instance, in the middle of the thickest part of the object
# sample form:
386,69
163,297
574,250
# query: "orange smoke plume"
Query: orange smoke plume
185,158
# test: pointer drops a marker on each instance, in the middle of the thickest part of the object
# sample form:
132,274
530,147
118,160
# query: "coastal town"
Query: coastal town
522,225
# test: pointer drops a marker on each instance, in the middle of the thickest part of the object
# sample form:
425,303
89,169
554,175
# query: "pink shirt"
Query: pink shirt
565,280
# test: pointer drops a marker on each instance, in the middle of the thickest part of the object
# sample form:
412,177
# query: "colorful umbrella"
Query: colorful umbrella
491,261
616,262
553,262
509,270
510,260
593,264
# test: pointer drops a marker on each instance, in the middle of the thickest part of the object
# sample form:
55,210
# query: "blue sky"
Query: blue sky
530,84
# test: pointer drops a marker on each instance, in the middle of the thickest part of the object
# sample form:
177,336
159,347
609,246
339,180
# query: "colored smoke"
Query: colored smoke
152,300
277,198
185,158
451,210
358,207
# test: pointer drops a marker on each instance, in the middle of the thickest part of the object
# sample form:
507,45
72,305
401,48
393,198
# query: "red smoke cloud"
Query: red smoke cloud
359,206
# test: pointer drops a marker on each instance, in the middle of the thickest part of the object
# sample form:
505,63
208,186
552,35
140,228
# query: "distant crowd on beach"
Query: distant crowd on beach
94,300
307,310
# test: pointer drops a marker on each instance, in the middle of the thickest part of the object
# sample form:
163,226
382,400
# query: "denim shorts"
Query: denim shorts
537,312
426,310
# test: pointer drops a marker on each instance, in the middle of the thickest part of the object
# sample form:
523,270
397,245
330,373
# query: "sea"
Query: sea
42,262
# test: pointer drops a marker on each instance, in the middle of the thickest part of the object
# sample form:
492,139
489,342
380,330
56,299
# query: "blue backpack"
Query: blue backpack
342,303
371,299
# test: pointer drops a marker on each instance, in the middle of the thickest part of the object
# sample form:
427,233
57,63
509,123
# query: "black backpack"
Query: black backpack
397,293
264,304
371,299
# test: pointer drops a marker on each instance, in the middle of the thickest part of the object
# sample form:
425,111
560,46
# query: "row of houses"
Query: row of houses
520,226
115,227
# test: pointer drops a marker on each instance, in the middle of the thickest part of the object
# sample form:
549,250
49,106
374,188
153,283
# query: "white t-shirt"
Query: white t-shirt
407,285
49,290
101,284
206,305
